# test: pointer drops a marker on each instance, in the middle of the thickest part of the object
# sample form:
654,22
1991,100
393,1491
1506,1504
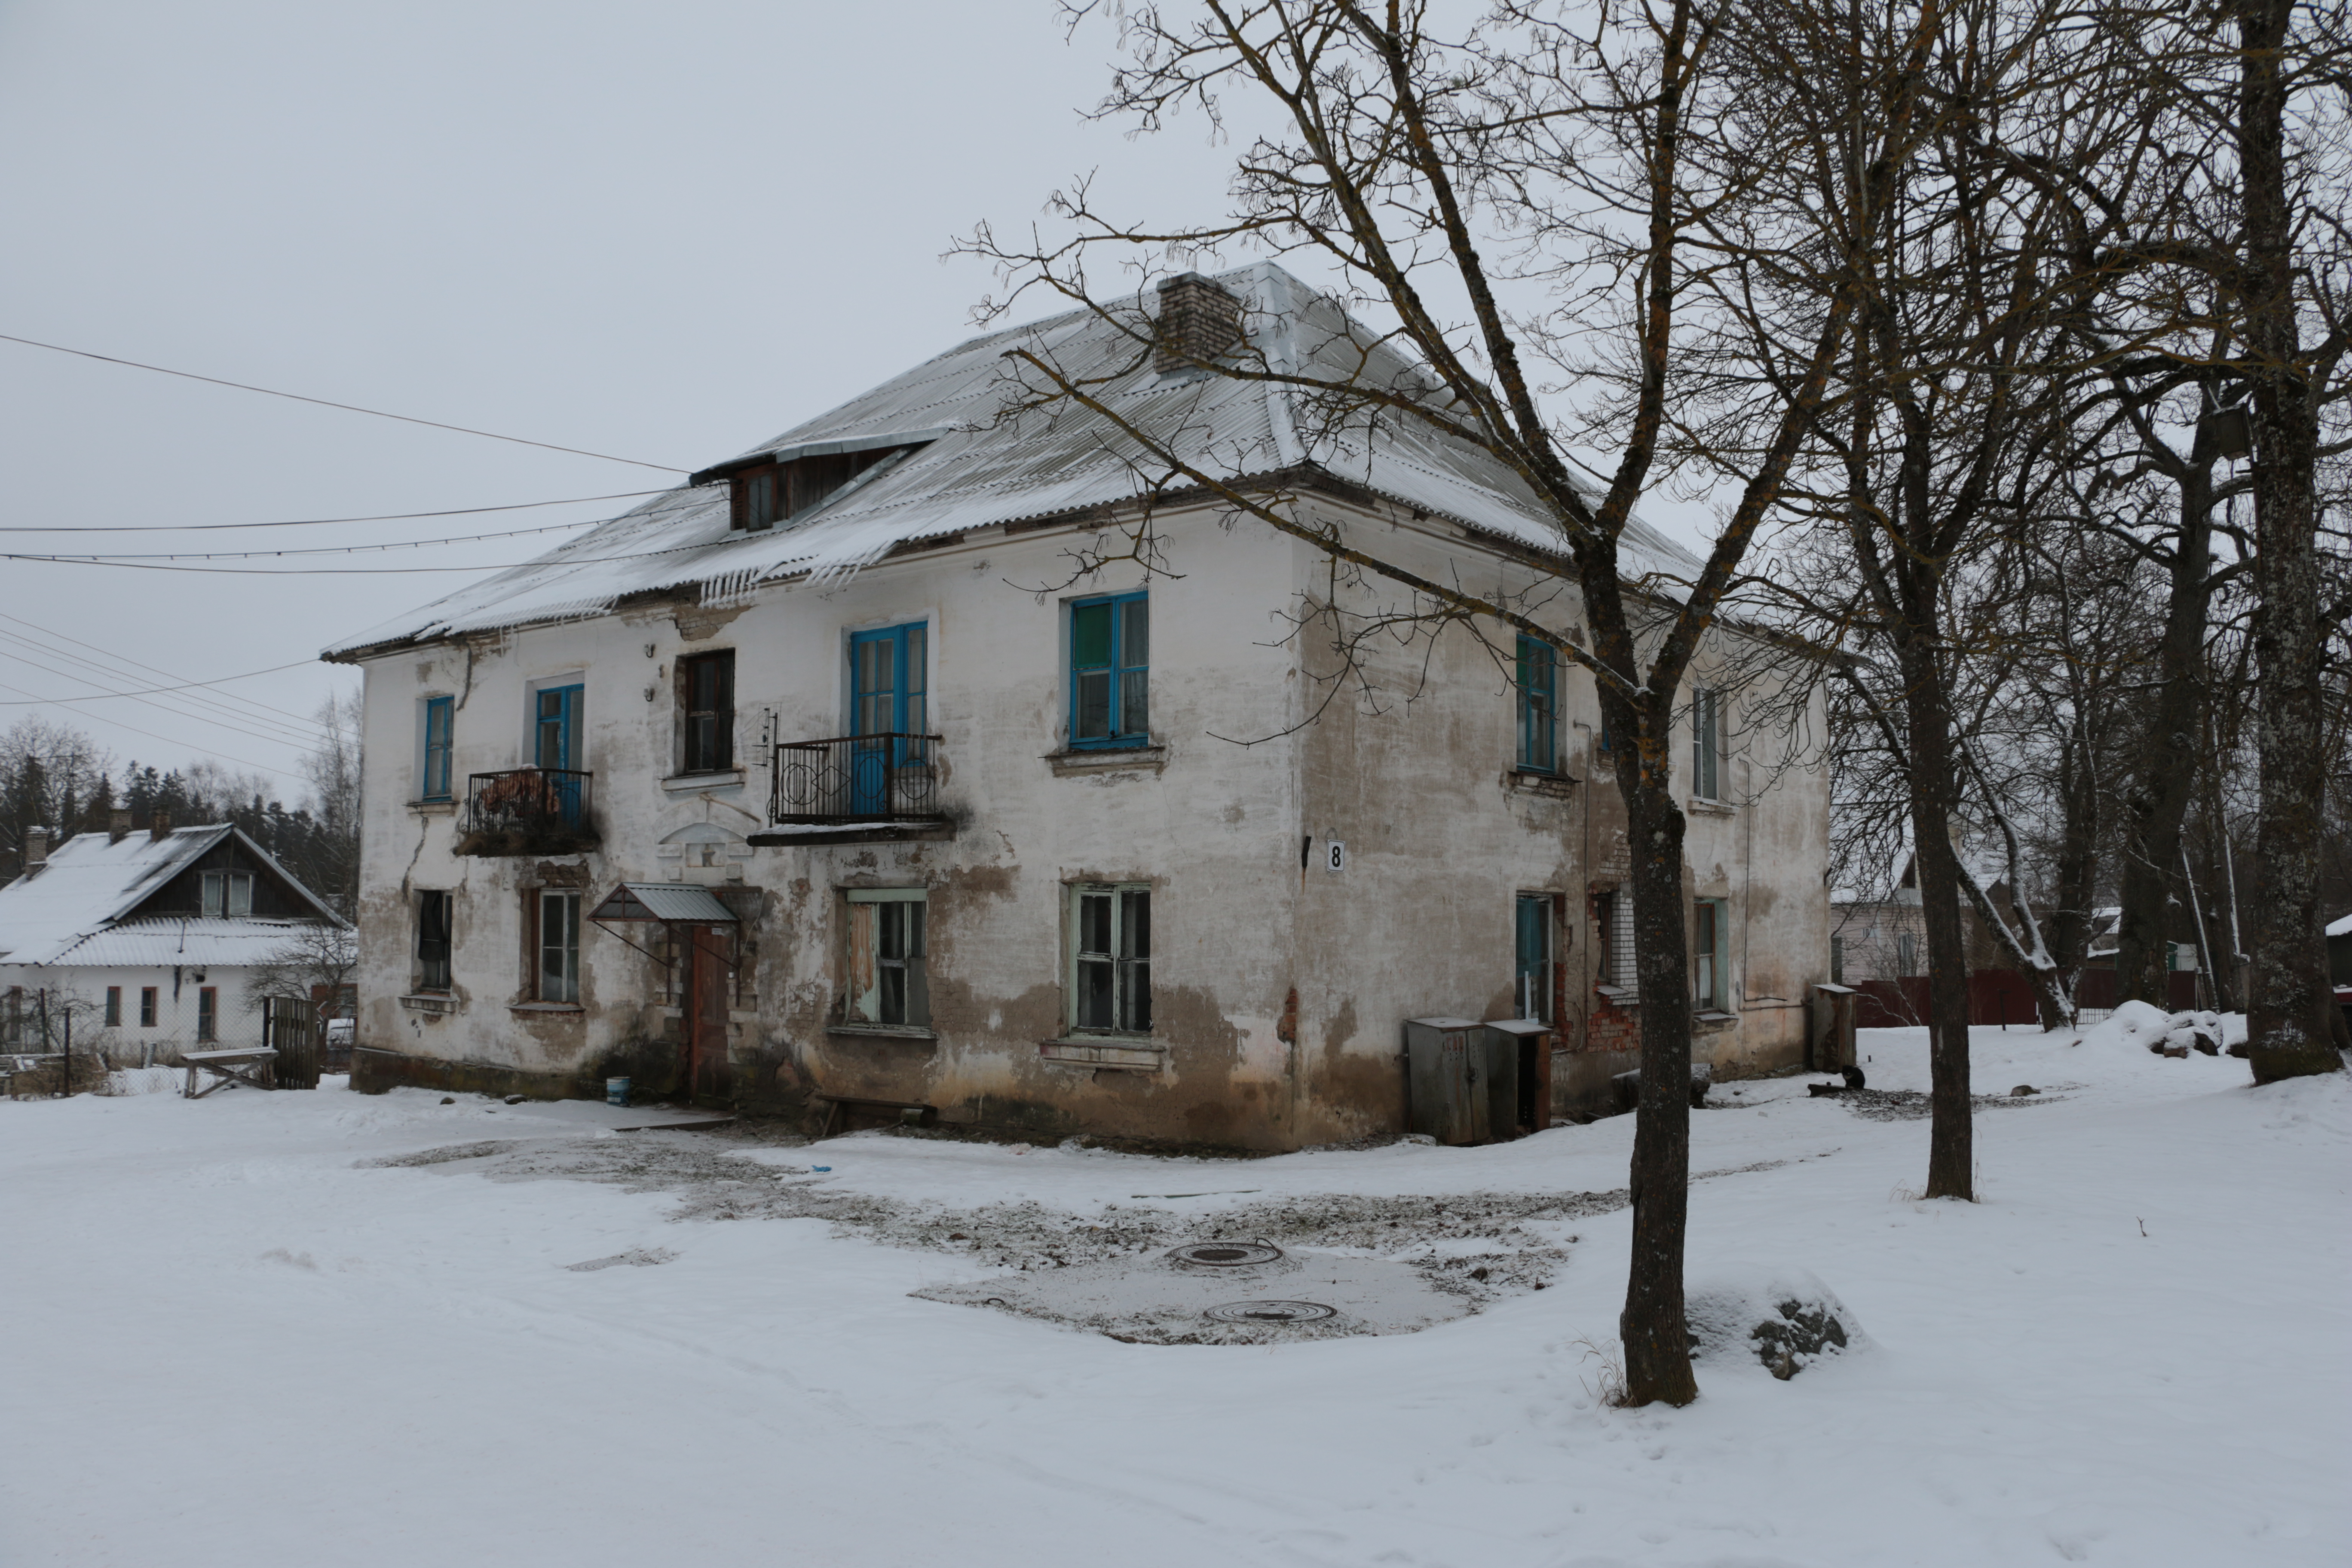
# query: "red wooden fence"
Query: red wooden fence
1995,996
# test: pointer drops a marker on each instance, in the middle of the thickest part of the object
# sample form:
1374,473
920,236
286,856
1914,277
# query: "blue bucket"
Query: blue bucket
616,1091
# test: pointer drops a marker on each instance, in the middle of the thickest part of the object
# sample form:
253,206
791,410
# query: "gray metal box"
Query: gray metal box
1446,1069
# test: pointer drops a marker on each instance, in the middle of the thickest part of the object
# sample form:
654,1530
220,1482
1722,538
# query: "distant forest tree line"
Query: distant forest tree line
55,776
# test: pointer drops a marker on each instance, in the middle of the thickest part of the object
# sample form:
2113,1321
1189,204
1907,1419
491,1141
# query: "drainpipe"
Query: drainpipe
1584,894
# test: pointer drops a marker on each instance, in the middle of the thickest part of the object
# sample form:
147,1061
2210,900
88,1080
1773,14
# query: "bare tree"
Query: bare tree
1593,195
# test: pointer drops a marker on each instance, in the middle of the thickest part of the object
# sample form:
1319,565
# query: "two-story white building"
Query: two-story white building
876,770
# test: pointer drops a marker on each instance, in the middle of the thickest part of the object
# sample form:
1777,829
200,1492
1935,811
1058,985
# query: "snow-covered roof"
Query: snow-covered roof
2340,927
89,883
213,943
979,465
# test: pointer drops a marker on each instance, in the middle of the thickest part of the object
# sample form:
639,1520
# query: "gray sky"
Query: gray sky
660,232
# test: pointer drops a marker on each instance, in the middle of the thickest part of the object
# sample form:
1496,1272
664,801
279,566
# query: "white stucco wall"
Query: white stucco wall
1439,841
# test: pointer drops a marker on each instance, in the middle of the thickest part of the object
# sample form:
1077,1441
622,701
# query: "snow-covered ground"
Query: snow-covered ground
234,1336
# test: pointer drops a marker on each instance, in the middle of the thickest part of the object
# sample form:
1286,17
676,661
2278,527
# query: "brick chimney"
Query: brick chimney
1199,321
118,826
160,827
37,847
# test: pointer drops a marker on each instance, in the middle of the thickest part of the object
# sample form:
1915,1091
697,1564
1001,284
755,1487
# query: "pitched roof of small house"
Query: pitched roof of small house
75,907
977,464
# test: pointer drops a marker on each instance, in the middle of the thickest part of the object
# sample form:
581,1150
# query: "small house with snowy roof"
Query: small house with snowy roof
950,758
147,940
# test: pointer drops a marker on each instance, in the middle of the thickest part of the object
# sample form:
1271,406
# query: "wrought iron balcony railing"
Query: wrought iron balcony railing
856,778
528,811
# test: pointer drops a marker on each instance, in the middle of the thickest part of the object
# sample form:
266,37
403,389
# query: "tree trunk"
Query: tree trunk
1951,1150
1652,1325
2288,1030
2158,807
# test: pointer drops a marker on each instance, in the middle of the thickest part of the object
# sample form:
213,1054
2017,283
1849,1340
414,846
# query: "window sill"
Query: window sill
1107,759
1713,808
695,784
430,1001
1124,1052
433,807
557,1009
1528,780
884,1032
1619,995
1711,1018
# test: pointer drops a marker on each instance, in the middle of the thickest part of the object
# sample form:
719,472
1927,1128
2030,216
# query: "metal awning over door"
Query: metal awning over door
676,903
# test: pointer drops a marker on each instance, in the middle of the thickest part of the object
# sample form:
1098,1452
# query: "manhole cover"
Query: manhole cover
1272,1312
1225,1254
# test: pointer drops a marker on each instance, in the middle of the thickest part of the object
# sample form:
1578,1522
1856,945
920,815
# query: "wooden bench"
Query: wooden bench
252,1066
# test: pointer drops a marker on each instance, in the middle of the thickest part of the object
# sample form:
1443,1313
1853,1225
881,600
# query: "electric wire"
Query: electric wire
242,762
307,721
313,521
287,736
186,686
349,407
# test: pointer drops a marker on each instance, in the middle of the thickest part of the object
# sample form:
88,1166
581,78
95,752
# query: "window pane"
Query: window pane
1135,925
917,661
1135,997
215,895
240,894
1093,994
1134,706
1094,923
1090,636
1093,721
1135,633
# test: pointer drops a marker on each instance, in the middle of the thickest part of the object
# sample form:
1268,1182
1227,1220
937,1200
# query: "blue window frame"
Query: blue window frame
1539,707
889,695
1533,960
440,718
555,727
1110,663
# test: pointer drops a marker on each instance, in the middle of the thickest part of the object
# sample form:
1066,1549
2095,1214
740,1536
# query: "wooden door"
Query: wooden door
709,987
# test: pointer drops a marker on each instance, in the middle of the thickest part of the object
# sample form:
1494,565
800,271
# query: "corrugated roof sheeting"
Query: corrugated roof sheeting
160,944
997,464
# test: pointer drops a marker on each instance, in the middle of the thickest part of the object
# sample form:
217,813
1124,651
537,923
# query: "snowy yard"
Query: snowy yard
253,1331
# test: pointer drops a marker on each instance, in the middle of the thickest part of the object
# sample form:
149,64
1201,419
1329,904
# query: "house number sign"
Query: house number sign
1334,856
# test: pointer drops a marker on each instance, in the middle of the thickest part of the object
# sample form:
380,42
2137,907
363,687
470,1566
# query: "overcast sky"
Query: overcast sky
661,232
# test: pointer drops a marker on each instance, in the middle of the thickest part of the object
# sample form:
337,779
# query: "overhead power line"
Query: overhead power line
245,762
151,690
310,722
312,522
346,408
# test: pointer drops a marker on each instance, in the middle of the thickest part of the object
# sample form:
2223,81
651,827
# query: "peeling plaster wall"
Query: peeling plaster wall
1279,991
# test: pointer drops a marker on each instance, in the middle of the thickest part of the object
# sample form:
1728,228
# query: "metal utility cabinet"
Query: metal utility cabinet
1518,1077
1446,1068
1829,1043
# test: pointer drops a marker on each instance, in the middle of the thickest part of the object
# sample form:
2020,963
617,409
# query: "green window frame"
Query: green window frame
1110,671
1710,954
1111,958
888,958
1706,744
559,946
114,1006
440,723
1538,693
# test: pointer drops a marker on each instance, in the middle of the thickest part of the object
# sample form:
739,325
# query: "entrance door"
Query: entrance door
708,990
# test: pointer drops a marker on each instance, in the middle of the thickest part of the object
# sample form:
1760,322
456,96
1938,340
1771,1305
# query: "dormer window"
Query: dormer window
771,487
768,493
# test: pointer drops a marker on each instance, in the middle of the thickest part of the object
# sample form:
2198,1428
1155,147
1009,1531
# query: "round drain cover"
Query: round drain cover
1272,1312
1225,1254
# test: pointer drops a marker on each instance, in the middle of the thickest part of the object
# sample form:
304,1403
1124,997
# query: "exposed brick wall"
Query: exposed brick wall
1198,323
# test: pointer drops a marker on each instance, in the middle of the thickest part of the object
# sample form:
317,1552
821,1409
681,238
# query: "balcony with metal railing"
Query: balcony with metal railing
855,787
528,811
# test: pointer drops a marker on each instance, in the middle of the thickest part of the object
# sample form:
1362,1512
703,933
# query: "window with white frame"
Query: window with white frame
1706,744
559,946
1614,931
227,894
1111,958
889,985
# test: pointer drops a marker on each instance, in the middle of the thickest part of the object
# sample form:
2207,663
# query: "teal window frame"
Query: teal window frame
1111,679
440,725
1534,944
1711,954
555,728
1539,692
